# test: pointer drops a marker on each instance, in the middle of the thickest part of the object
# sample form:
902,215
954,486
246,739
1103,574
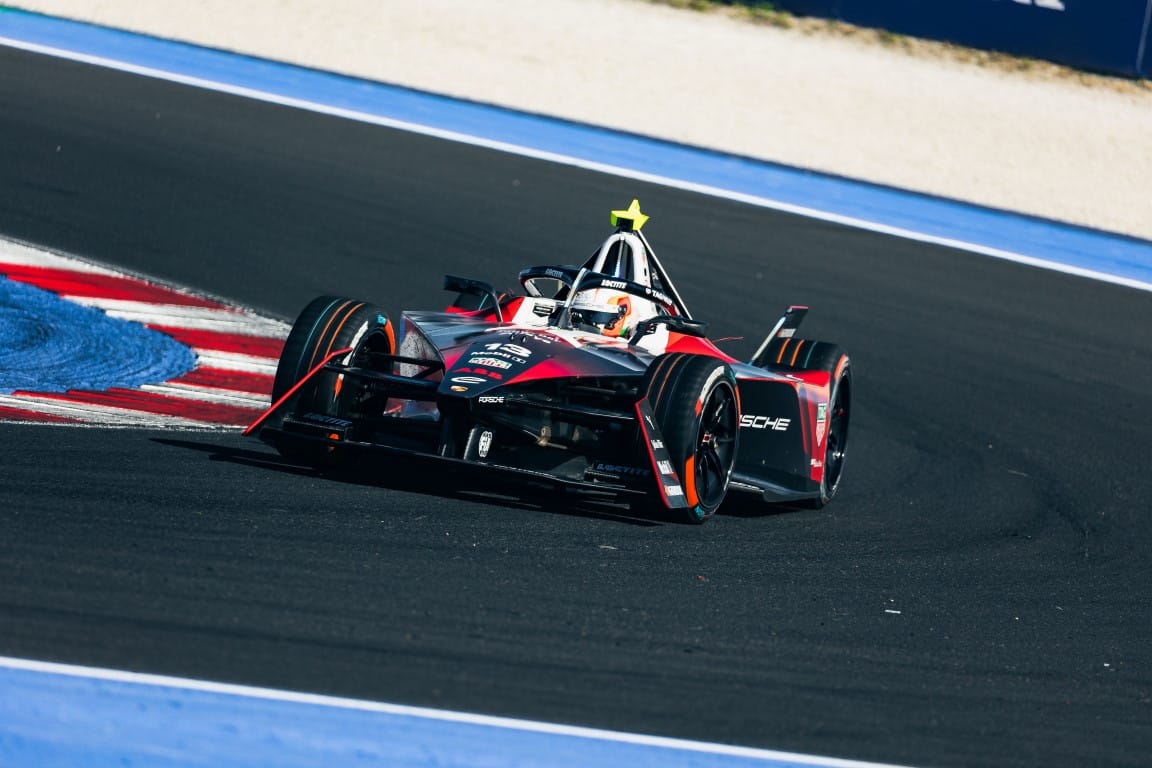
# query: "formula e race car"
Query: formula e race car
595,377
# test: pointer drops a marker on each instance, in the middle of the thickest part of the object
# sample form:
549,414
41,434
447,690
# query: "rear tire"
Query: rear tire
694,401
836,437
327,324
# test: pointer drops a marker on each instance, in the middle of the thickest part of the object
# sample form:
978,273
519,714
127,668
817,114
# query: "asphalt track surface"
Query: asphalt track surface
977,595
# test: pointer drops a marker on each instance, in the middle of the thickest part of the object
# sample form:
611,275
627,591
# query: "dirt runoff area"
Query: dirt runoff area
1018,136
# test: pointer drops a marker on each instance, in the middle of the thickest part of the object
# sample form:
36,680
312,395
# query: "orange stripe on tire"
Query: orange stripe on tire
796,353
340,327
690,481
658,376
319,341
667,377
391,336
839,367
783,347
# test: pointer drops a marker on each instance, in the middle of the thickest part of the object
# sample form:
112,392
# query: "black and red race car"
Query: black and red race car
595,377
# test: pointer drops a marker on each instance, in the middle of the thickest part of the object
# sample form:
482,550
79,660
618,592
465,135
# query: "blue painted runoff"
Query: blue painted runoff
63,719
931,217
49,344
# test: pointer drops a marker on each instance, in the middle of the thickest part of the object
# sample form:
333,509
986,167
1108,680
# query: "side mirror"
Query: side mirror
468,287
683,325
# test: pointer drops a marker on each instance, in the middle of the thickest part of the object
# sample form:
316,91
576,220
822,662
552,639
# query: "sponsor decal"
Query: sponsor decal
468,380
673,490
491,399
509,351
482,372
542,310
555,274
657,445
332,421
821,422
490,362
665,467
748,421
485,444
1052,5
817,464
619,285
458,388
620,469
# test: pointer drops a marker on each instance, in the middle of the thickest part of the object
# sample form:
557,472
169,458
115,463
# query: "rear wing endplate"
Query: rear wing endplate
784,329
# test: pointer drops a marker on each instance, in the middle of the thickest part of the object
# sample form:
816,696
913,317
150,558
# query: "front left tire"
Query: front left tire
328,324
694,400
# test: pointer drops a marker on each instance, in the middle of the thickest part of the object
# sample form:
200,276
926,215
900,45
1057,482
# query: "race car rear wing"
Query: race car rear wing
784,328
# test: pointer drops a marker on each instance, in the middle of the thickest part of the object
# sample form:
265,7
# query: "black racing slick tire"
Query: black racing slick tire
694,400
836,438
328,324
803,355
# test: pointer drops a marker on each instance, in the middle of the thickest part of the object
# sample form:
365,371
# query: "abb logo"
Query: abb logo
748,421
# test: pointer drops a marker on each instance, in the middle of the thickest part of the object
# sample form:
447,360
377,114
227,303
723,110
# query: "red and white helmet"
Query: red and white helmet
614,312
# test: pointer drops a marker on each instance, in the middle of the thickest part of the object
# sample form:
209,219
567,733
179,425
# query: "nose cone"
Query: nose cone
492,362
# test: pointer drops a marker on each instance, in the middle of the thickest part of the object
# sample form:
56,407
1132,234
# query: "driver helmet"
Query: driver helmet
613,312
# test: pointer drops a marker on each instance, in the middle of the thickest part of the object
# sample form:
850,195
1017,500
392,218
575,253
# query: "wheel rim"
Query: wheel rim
837,439
715,446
